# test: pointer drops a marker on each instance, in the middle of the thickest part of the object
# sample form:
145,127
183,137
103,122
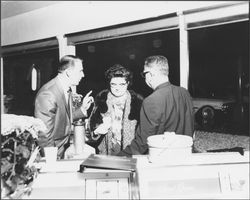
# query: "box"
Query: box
108,184
108,177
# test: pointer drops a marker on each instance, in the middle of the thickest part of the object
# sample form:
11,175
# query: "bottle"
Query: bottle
79,136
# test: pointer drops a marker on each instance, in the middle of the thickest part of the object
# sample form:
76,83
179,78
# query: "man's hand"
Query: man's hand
86,102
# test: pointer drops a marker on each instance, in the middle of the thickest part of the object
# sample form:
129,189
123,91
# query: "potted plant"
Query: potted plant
19,150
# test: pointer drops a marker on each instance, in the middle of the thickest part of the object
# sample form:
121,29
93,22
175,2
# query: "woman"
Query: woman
116,113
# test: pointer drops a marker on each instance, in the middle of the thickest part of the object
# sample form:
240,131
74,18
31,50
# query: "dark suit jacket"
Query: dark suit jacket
168,108
51,107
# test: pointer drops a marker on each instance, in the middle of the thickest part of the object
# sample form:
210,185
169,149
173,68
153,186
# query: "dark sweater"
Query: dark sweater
168,108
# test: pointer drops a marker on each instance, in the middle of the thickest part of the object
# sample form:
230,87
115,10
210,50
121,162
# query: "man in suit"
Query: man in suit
168,108
52,105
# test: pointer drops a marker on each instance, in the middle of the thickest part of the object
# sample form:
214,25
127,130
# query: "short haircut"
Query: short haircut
67,62
159,63
118,70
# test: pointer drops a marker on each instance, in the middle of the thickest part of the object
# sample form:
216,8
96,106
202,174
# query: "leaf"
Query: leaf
23,150
5,166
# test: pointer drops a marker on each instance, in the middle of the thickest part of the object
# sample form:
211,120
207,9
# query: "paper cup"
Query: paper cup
50,154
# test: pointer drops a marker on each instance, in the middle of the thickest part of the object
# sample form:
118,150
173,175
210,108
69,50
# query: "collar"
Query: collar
163,85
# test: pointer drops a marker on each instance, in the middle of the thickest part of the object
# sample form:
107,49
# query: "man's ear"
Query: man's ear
150,75
150,79
67,72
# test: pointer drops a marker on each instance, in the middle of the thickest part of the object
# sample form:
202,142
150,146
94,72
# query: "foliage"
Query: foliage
18,136
77,100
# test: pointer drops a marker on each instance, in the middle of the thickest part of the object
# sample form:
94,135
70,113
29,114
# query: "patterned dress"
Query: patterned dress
122,130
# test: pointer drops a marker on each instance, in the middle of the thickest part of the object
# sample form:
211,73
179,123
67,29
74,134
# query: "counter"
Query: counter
202,175
199,176
60,182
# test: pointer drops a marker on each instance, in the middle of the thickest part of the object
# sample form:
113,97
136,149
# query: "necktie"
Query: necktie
70,106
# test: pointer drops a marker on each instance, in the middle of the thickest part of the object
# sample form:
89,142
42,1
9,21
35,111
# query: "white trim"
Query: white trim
126,30
220,15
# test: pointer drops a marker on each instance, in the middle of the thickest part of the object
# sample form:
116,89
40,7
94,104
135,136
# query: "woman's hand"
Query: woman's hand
104,127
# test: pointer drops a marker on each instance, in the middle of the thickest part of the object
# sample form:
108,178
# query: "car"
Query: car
207,109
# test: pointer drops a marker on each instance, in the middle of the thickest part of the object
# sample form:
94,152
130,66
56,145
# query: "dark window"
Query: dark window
131,52
17,77
219,56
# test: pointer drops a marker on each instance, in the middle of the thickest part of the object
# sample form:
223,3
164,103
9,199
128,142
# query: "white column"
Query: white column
65,49
184,53
71,50
2,98
62,42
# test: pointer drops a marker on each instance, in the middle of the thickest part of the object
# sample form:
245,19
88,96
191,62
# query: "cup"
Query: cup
50,155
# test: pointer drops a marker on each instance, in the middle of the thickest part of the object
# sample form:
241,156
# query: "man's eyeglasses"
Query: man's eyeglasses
143,74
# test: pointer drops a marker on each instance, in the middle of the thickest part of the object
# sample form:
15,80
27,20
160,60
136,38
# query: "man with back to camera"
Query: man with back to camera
52,105
168,108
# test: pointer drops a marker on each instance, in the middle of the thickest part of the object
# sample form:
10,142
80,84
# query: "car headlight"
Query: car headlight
225,107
